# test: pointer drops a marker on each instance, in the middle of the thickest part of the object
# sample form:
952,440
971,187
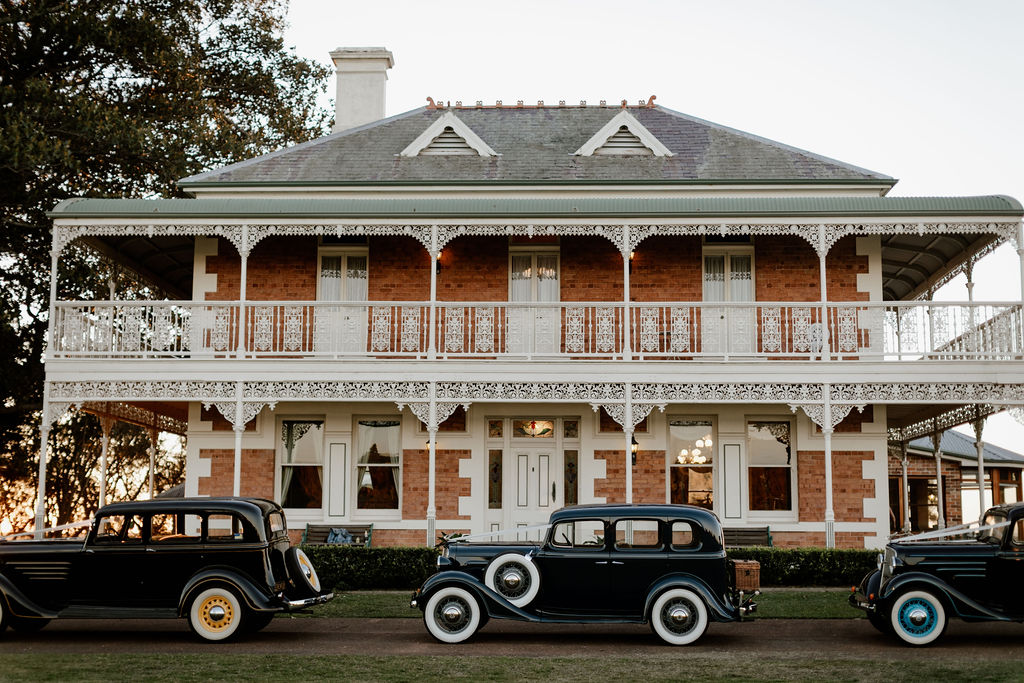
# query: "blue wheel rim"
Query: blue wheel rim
927,626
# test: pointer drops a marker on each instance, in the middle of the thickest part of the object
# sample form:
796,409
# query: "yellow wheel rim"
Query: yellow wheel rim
307,569
216,613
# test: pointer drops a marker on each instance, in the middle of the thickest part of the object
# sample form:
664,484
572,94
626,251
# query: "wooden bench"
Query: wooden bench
738,537
317,534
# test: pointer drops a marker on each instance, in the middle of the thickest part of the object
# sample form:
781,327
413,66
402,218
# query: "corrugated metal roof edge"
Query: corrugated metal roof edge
994,205
187,183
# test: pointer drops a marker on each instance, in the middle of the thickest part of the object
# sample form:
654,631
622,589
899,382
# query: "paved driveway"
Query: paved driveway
846,638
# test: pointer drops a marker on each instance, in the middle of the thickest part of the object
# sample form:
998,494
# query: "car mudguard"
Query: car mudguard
255,598
717,609
963,606
494,604
19,604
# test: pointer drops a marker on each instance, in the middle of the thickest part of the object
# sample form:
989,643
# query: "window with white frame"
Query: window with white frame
378,466
302,463
728,273
691,461
342,274
770,465
534,275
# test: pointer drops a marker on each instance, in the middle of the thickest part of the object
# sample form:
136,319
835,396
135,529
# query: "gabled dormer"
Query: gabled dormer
623,136
448,136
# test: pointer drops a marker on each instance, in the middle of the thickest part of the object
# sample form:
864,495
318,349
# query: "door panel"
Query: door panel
536,482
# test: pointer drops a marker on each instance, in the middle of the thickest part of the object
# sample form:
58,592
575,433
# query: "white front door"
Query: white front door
534,330
536,487
728,329
343,327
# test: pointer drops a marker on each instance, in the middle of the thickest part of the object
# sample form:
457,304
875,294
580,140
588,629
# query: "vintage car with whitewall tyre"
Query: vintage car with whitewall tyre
972,572
226,565
659,564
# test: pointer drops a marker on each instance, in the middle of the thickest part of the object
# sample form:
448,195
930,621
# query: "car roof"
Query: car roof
244,506
614,510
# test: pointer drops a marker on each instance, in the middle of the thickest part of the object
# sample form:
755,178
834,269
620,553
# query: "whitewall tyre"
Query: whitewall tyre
452,615
918,618
215,614
513,577
679,616
302,573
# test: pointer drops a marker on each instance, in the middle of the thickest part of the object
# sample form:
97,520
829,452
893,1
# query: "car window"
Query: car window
581,533
118,529
683,535
637,533
277,523
1018,532
175,528
225,528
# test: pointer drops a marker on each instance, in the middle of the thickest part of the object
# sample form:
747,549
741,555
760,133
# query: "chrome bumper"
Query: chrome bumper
308,602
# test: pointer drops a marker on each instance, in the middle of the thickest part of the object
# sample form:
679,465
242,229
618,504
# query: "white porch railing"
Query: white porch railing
596,330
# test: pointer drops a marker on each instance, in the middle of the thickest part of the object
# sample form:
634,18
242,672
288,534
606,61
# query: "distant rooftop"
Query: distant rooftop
958,445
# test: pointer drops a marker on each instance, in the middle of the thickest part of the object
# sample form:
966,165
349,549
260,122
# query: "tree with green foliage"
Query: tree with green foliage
120,98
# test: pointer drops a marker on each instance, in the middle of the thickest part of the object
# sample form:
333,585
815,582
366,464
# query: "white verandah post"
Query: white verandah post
432,466
826,430
906,489
979,444
937,449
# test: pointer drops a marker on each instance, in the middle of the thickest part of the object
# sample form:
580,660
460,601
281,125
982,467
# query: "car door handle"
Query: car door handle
617,562
602,562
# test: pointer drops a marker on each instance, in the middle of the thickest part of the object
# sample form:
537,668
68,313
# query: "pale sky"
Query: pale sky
926,91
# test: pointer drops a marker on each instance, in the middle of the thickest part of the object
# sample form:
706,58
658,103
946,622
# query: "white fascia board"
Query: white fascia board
437,127
623,118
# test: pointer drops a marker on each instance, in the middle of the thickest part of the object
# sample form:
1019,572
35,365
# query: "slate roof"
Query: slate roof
536,145
958,445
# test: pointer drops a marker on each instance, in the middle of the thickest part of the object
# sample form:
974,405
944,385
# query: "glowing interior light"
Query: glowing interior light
700,443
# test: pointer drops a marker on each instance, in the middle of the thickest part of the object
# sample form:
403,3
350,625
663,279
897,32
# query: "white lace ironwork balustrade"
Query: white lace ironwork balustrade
221,335
771,329
164,332
680,329
454,328
847,328
484,326
575,339
802,329
293,318
605,329
263,334
649,337
131,331
410,328
381,335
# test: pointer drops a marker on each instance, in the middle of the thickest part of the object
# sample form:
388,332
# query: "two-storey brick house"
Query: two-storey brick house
465,316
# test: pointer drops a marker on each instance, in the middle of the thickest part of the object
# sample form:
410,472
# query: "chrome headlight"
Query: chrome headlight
888,565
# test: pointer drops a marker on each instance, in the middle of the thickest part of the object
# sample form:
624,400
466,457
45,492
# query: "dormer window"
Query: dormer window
623,136
448,136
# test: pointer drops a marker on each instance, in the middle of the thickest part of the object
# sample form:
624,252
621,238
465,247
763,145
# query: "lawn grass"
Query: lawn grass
774,604
212,666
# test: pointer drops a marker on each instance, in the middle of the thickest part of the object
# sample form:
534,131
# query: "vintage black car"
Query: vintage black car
975,574
225,564
663,564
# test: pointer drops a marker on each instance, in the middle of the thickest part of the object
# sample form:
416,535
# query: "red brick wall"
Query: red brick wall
399,270
591,270
473,269
648,477
812,539
849,487
666,269
406,537
416,485
278,269
787,269
257,472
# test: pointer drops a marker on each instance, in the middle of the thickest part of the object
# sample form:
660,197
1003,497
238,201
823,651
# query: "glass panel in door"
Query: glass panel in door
342,328
728,329
535,279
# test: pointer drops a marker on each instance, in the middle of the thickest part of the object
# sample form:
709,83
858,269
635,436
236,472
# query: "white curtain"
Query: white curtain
547,277
522,277
741,282
714,278
356,279
330,278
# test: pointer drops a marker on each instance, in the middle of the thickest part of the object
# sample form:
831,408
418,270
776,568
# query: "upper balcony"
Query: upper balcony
607,331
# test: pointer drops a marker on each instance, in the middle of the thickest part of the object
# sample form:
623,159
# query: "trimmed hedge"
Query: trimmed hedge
809,566
343,567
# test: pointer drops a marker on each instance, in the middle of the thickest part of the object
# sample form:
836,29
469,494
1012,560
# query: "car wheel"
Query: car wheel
216,614
302,573
26,624
918,618
679,616
513,577
452,615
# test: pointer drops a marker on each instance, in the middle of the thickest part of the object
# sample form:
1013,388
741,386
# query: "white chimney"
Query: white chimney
362,79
